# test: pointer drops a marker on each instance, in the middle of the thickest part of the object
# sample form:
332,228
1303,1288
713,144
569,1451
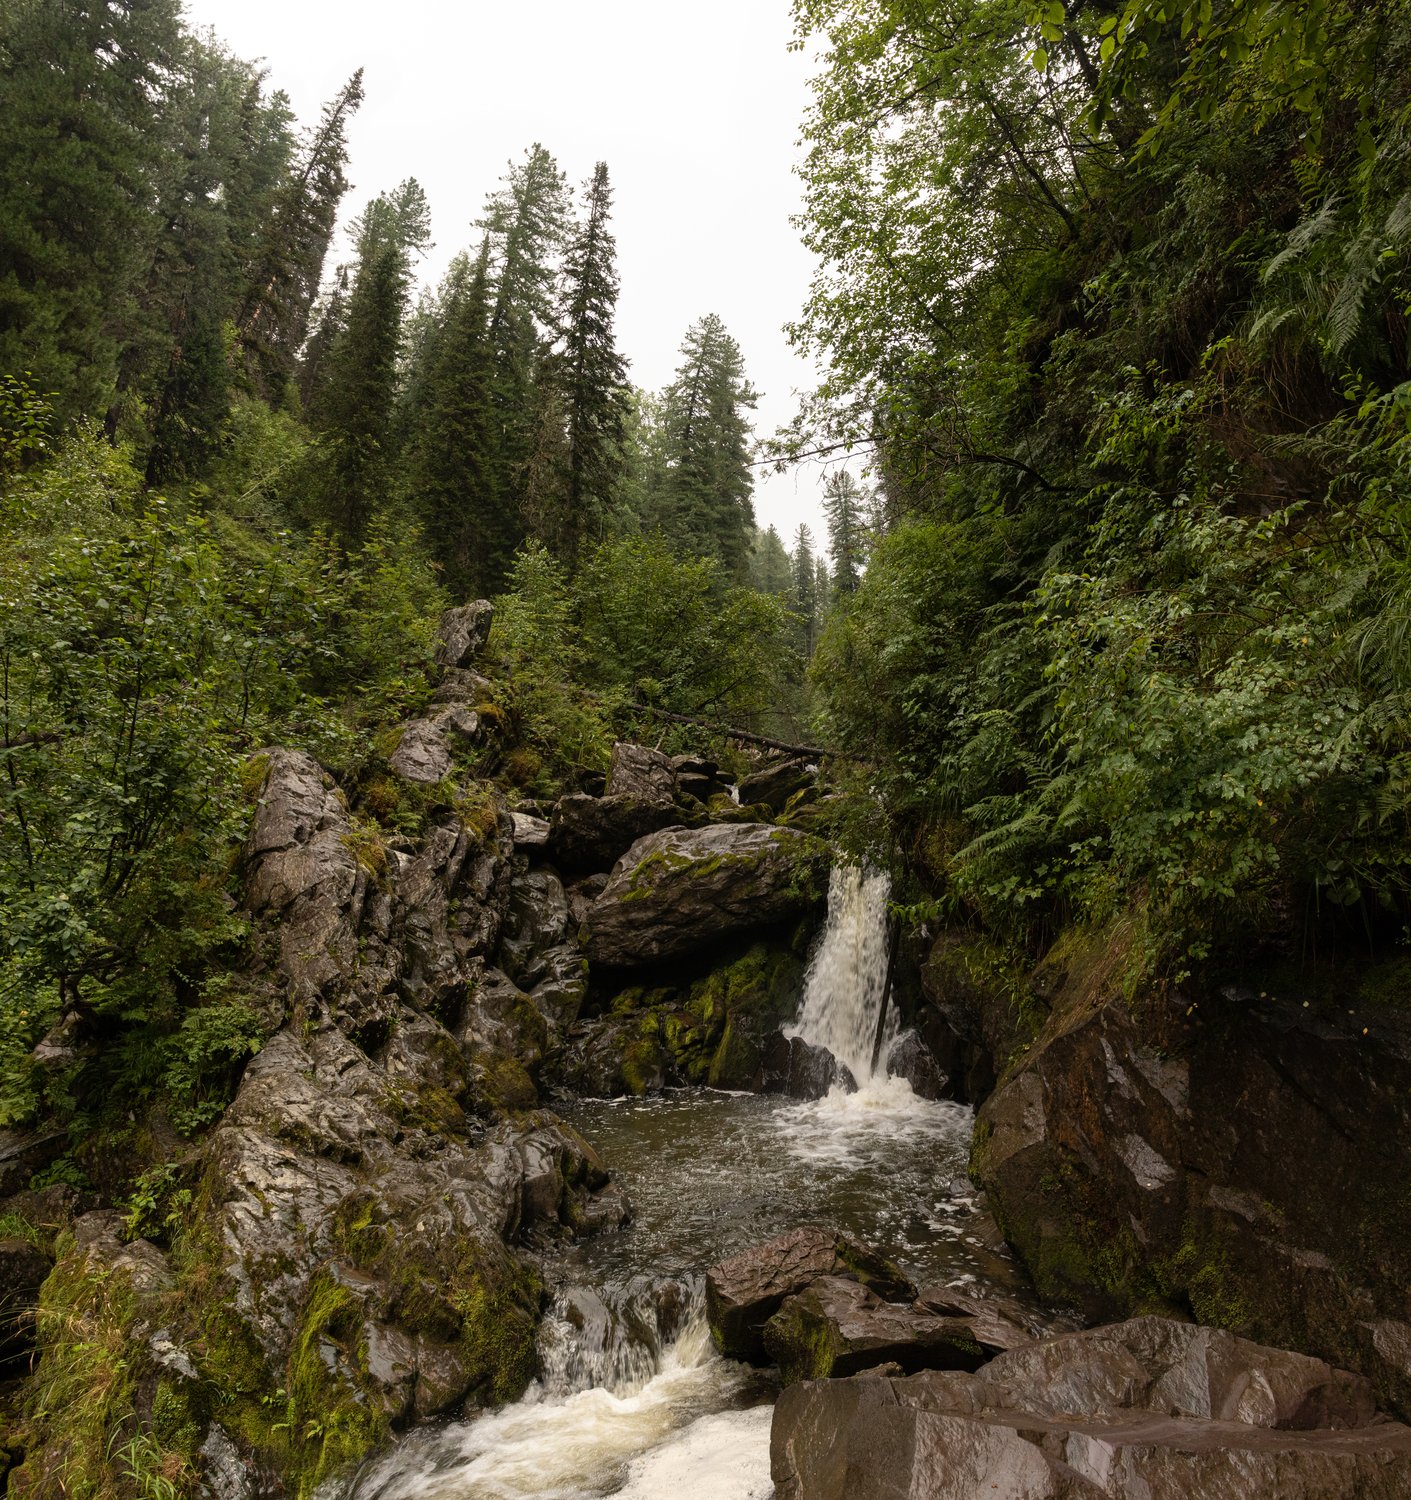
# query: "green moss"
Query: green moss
642,1065
497,1334
333,1423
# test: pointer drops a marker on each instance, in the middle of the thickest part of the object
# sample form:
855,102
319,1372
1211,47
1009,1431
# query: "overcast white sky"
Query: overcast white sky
695,108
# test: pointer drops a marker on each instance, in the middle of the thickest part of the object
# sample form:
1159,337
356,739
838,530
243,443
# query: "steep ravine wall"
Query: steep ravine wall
1241,1156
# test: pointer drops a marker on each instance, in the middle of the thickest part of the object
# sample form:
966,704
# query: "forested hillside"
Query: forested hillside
1116,299
239,482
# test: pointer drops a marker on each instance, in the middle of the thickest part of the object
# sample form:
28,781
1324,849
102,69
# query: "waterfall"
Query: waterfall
847,976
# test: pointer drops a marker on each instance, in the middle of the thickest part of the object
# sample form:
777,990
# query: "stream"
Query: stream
632,1400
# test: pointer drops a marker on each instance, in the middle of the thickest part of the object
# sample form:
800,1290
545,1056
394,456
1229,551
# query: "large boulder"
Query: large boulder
637,771
1228,1155
802,1070
837,1327
745,1291
593,833
682,890
1147,1410
774,784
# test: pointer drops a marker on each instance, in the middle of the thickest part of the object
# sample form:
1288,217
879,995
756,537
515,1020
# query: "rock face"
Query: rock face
680,890
1230,1156
23,1270
1146,1410
744,1292
910,1058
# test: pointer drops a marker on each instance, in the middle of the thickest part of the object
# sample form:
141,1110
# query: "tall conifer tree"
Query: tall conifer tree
844,506
592,374
708,484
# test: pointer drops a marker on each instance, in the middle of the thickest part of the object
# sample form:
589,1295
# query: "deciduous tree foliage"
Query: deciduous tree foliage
1115,297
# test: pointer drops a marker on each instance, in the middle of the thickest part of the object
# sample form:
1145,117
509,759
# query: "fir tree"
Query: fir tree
707,488
287,268
356,409
592,373
844,507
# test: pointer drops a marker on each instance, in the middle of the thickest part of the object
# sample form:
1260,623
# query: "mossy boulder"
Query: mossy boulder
680,891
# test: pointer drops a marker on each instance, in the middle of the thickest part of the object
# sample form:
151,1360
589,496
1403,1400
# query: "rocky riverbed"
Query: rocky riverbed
418,1210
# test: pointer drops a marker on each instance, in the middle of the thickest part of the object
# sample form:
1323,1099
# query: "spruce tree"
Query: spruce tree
452,444
844,507
805,589
525,224
591,372
86,89
770,569
286,269
708,484
355,411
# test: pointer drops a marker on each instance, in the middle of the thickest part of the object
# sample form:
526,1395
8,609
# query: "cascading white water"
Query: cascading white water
844,988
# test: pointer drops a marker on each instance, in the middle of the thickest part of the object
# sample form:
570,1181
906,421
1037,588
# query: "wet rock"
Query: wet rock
745,1291
223,1474
536,923
910,1058
462,633
639,772
1217,1152
23,1269
773,785
801,1069
682,890
837,1327
1148,1410
593,833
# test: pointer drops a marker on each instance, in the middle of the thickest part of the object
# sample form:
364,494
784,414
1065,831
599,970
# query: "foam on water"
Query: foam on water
586,1443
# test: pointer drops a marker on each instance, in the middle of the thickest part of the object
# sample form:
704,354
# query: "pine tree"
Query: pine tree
708,485
591,372
286,270
844,507
355,412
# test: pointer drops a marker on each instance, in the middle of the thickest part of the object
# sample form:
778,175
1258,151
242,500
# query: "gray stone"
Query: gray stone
801,1069
530,832
682,890
773,785
463,632
423,754
637,771
837,1327
1147,1410
593,833
910,1058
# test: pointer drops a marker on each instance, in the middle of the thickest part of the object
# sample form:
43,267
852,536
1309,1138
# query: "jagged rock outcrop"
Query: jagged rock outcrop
1146,1410
463,632
638,771
681,890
